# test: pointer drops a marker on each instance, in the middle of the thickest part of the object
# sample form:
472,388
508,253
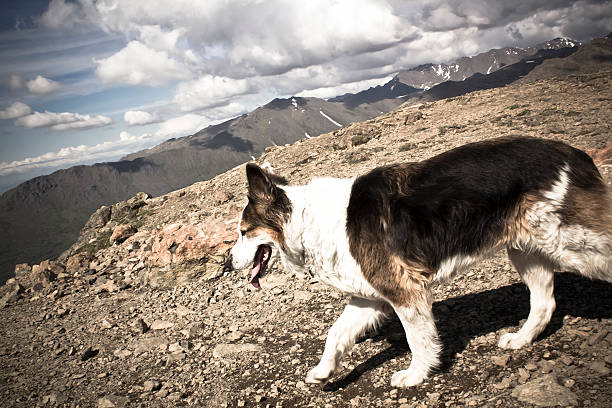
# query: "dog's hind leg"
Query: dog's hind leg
359,315
421,334
536,270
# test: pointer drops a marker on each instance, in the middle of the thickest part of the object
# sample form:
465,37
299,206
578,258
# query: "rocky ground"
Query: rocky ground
139,312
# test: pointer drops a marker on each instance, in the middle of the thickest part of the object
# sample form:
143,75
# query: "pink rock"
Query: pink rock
178,243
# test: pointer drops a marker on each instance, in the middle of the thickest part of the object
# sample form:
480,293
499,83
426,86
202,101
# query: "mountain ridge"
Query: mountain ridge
426,76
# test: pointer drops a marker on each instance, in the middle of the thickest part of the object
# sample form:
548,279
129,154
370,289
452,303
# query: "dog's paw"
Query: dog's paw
407,378
513,341
318,375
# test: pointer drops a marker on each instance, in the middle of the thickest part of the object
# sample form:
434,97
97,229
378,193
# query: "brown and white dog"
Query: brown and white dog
385,237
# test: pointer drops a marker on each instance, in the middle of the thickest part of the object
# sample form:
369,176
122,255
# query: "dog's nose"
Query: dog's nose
228,264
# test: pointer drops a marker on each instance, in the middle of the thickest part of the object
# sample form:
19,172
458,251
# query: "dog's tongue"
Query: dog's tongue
259,264
259,258
255,274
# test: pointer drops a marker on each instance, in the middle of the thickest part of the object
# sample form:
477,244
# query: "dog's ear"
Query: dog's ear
261,187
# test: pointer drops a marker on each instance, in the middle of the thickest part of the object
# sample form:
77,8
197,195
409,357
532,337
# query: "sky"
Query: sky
87,81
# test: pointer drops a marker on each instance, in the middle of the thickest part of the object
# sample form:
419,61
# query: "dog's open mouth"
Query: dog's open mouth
260,263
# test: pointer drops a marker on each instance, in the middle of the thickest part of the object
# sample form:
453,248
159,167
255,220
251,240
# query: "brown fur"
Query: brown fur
590,208
268,208
517,230
399,280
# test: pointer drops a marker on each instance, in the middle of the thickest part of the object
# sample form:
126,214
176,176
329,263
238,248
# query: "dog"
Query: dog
387,236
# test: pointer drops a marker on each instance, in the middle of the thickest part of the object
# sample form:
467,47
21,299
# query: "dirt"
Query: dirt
124,332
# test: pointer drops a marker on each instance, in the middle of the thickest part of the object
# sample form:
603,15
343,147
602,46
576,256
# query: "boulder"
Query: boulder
224,349
78,263
52,266
99,218
121,233
128,208
544,391
10,292
46,272
22,269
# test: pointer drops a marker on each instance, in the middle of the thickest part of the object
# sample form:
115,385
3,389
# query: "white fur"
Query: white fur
359,315
453,265
316,236
537,273
585,251
572,247
317,242
544,218
422,337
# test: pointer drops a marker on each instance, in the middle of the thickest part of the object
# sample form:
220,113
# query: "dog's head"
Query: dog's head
261,226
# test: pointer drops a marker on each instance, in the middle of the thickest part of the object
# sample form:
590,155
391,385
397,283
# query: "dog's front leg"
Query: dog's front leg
420,327
359,315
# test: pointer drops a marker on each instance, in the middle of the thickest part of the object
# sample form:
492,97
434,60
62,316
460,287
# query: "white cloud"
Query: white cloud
127,136
352,87
443,18
138,64
61,15
71,155
16,110
155,37
183,125
134,118
42,86
15,82
62,121
224,112
209,91
240,38
113,150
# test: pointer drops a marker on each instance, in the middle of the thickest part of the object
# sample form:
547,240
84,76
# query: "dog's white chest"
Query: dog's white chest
321,232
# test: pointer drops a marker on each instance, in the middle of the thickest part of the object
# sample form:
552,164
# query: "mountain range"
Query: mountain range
44,215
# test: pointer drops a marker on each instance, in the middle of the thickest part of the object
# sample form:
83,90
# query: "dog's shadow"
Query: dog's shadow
463,318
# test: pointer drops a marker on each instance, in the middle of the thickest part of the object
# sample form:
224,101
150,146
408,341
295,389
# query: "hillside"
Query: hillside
154,320
41,217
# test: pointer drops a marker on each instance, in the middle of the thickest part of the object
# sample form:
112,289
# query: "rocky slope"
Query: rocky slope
139,312
41,217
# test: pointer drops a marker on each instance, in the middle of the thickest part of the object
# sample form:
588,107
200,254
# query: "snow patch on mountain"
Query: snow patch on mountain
330,119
